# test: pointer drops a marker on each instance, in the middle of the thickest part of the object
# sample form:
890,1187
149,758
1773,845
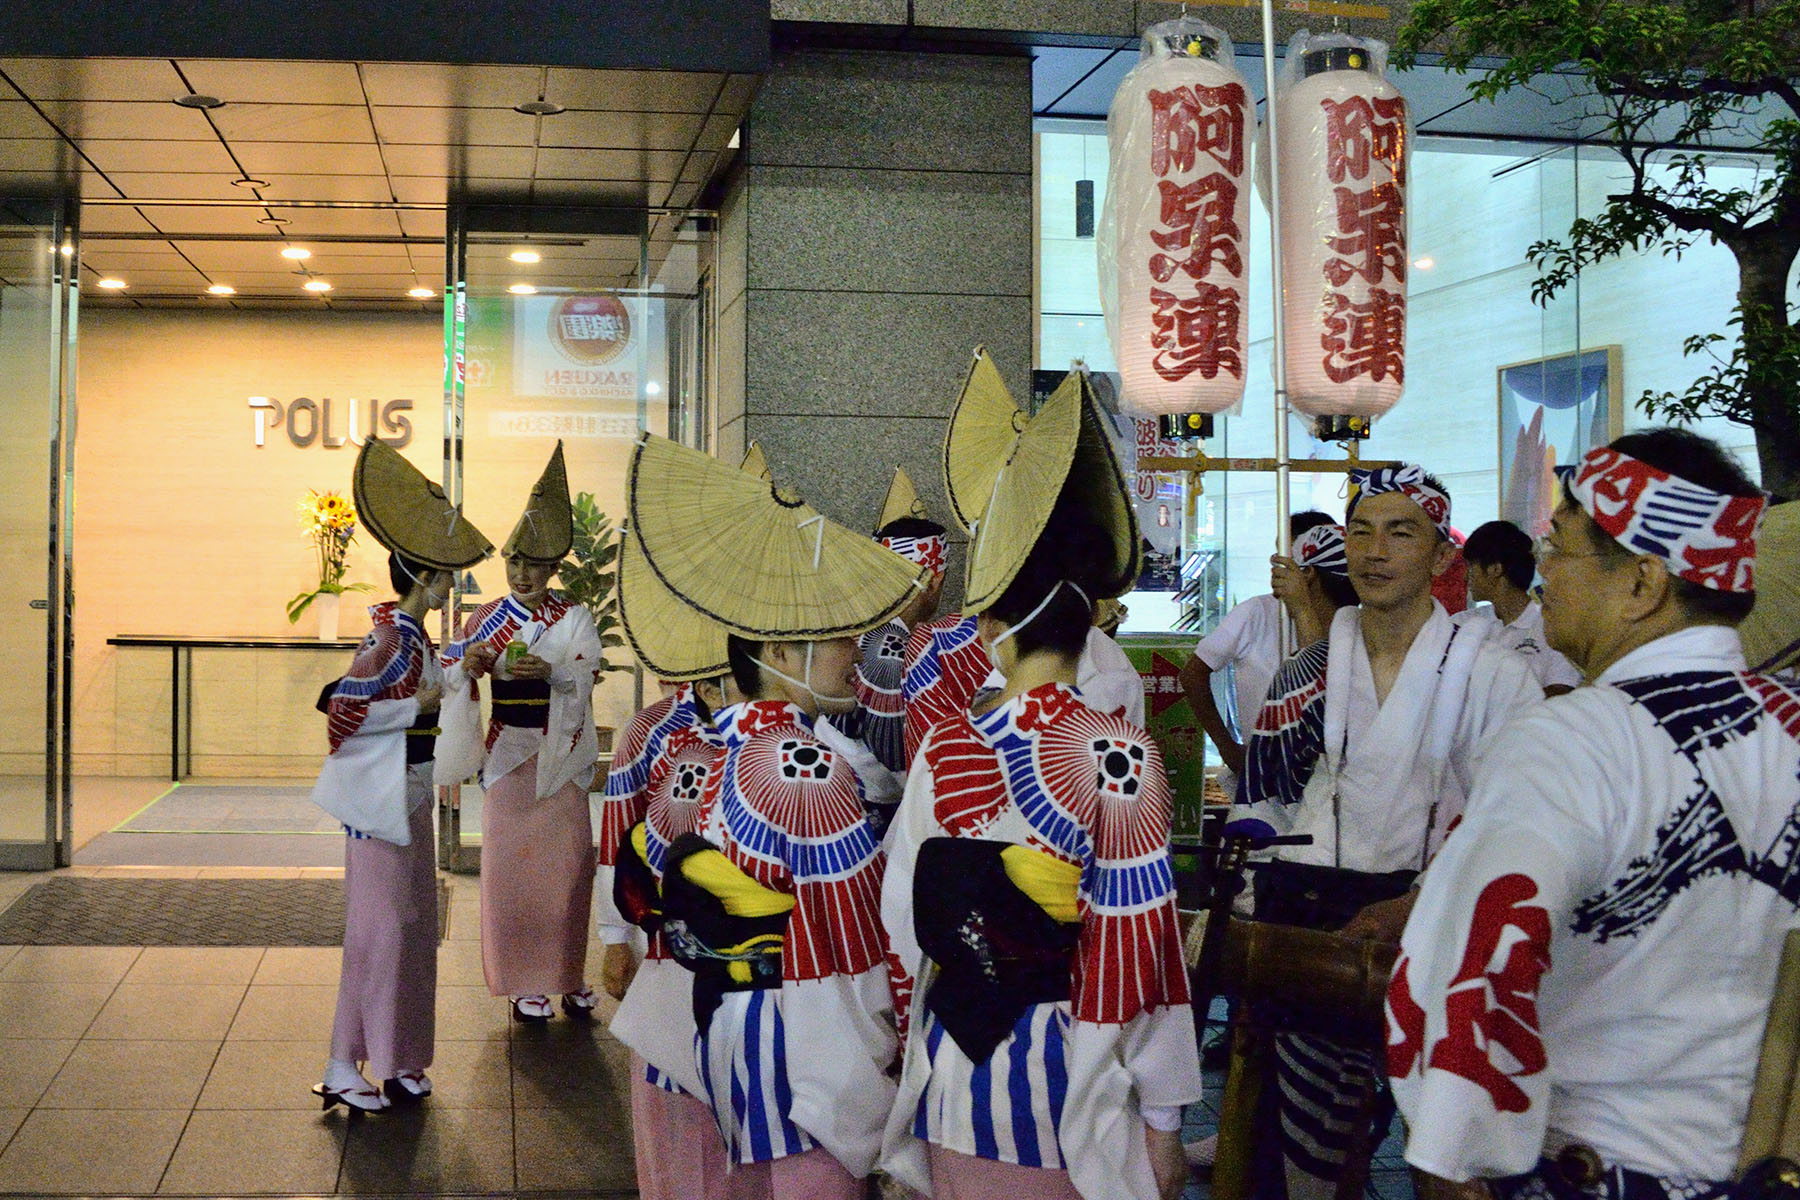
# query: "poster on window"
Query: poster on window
1552,411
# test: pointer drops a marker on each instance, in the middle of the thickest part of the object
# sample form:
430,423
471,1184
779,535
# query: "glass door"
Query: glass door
579,325
38,257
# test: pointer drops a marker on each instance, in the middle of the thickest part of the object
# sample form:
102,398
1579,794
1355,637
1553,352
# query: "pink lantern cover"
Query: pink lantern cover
1173,249
1345,140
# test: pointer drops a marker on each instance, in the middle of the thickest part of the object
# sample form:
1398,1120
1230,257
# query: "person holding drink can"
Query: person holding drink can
536,760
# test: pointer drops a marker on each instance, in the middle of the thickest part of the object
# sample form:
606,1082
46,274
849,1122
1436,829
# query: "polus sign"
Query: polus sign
307,421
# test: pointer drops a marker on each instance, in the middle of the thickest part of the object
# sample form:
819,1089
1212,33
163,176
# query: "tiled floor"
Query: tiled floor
184,1071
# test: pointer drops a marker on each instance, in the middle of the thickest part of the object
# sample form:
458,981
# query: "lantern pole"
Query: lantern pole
1283,457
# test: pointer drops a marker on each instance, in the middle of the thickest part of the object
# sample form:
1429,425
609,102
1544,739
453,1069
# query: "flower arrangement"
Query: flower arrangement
329,520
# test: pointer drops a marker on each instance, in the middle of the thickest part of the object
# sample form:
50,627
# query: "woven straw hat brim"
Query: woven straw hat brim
759,562
1063,449
672,640
1771,633
408,514
756,464
547,529
983,426
902,500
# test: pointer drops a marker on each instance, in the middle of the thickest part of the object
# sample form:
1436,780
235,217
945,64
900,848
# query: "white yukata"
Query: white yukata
1247,639
1592,957
1525,635
1377,786
1071,1087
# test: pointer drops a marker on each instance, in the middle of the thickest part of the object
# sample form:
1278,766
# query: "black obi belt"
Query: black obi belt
635,890
522,702
720,924
421,739
983,912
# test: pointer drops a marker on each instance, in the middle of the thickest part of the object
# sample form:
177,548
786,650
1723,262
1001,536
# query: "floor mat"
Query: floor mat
232,808
212,850
76,911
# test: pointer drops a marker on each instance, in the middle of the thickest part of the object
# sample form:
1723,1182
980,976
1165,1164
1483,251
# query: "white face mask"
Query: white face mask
827,702
993,647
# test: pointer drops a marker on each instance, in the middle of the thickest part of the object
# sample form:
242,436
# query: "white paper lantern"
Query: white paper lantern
1345,140
1173,246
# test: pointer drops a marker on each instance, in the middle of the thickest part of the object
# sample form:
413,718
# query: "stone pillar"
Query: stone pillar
879,229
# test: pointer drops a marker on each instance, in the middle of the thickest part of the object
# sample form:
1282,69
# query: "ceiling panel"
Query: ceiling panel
416,223
455,126
622,130
622,192
341,188
94,78
158,185
633,91
112,218
429,189
163,158
152,278
140,256
140,119
492,162
196,219
444,85
659,166
294,122
274,80
309,158
342,222
38,154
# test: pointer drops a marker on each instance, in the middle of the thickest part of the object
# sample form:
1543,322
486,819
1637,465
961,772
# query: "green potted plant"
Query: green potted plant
590,577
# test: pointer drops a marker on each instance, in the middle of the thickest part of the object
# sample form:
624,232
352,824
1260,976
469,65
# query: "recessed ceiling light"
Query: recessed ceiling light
316,285
221,289
199,100
1424,264
525,256
272,219
248,182
539,108
421,293
295,252
522,289
112,285
68,250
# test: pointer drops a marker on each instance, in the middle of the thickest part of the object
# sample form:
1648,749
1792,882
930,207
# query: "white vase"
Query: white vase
327,608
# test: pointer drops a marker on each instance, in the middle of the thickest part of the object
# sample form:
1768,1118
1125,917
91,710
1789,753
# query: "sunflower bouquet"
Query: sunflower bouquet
329,521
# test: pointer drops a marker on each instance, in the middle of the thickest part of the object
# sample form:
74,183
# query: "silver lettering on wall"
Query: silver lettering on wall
331,423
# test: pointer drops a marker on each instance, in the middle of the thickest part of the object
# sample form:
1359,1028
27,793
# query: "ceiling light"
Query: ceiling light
1424,264
295,252
112,285
221,289
522,289
316,285
272,219
68,250
525,256
539,108
199,100
421,293
653,388
248,182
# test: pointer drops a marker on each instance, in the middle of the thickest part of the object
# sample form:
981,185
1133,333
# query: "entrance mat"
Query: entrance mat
232,808
77,911
212,850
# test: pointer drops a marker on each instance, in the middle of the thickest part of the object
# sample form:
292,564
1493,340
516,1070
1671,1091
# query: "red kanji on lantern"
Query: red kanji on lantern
1360,130
1187,120
1366,339
1195,333
1371,236
1199,216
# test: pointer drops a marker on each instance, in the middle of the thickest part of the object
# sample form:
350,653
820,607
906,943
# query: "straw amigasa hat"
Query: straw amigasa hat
1771,633
983,426
671,638
755,558
1062,451
755,464
902,501
547,529
409,515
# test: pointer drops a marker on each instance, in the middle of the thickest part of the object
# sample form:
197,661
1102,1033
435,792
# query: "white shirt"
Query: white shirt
1248,638
1525,635
1615,836
1105,678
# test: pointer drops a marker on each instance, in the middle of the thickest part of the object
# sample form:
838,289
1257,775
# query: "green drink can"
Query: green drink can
514,652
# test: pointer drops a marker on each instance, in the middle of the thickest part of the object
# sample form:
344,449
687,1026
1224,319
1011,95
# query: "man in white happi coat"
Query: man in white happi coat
1501,569
1367,743
1585,978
